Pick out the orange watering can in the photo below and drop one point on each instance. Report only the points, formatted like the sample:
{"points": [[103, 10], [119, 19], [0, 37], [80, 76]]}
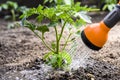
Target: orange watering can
{"points": [[95, 35]]}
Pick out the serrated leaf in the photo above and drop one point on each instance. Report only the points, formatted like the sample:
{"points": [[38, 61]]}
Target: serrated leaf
{"points": [[49, 13], [52, 24], [42, 28], [39, 8], [29, 25], [29, 12], [83, 16]]}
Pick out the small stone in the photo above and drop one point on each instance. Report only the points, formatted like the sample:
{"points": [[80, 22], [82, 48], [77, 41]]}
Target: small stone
{"points": [[37, 67], [17, 78], [90, 75], [92, 79], [37, 60], [112, 56]]}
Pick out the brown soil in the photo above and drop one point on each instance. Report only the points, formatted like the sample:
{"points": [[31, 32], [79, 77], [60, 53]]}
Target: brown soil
{"points": [[21, 50]]}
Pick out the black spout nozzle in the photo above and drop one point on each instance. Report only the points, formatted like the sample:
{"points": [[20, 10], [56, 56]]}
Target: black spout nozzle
{"points": [[88, 43]]}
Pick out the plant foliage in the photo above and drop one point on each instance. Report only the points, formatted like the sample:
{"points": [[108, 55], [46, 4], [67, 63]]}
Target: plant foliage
{"points": [[59, 2], [109, 4], [13, 8], [60, 15]]}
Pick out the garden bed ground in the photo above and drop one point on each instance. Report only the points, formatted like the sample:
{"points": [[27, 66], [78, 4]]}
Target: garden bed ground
{"points": [[21, 53]]}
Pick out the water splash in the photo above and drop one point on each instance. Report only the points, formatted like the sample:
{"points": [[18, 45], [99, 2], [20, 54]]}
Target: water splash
{"points": [[80, 54]]}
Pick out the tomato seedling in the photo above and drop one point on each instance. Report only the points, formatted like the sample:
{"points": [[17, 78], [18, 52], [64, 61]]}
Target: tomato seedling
{"points": [[12, 8], [59, 16]]}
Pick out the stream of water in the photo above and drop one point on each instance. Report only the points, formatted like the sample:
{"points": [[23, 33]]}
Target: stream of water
{"points": [[80, 54]]}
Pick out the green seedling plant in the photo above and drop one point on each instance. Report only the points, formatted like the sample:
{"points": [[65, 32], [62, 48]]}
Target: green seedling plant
{"points": [[13, 8], [59, 2], [109, 4], [59, 17]]}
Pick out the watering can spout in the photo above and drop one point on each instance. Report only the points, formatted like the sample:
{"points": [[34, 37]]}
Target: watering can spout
{"points": [[96, 34]]}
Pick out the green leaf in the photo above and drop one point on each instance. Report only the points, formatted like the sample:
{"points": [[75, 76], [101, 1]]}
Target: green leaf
{"points": [[58, 14], [39, 9], [4, 6], [58, 2], [79, 22], [22, 9], [42, 28], [83, 16], [45, 1], [54, 61], [40, 18], [53, 45], [52, 24], [47, 55], [67, 57], [49, 13], [50, 1], [77, 7], [58, 60], [29, 25], [69, 2], [31, 11], [78, 33], [0, 8], [28, 13], [12, 4], [110, 4], [105, 7], [111, 7]]}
